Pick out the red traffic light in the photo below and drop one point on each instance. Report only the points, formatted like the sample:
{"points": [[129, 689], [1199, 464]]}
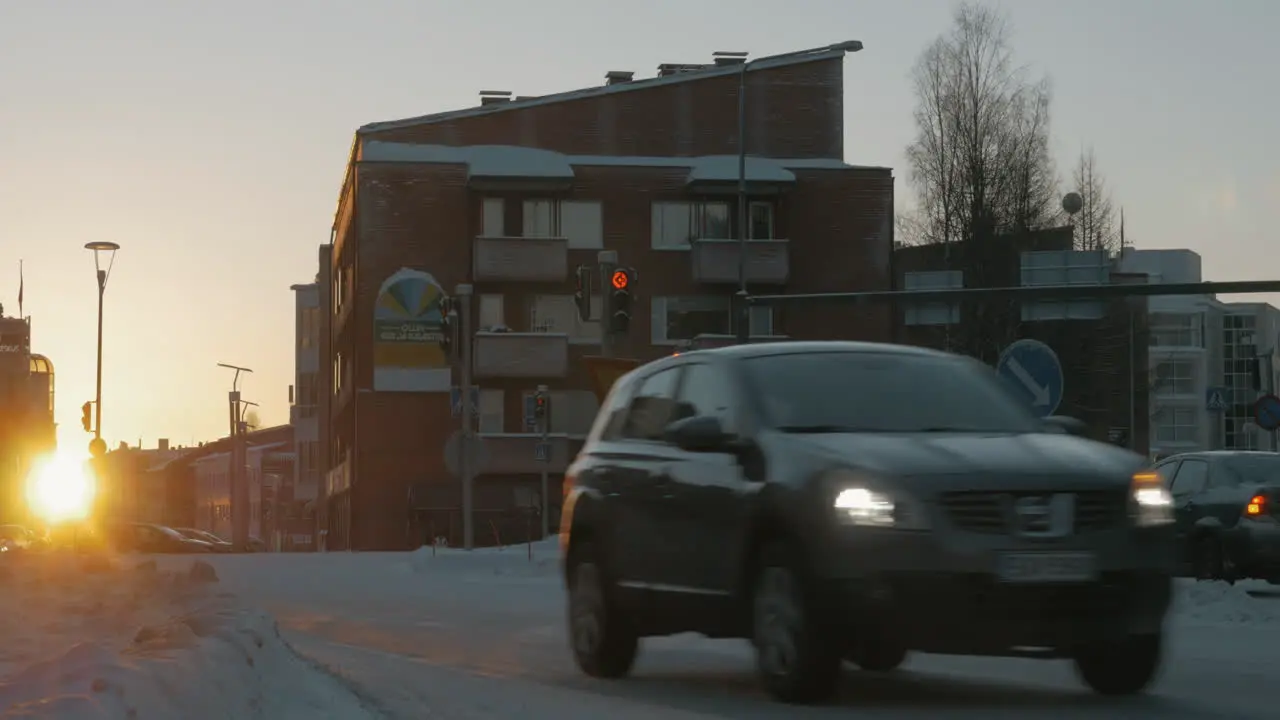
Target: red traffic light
{"points": [[620, 280]]}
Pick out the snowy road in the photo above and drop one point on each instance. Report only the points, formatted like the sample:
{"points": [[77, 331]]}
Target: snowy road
{"points": [[478, 637]]}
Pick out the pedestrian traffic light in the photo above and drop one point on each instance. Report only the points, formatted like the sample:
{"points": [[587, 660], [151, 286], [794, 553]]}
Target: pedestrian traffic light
{"points": [[620, 282], [540, 402], [448, 325], [582, 293], [86, 416]]}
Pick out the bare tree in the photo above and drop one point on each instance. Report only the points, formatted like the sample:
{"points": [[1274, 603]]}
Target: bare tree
{"points": [[1095, 224], [252, 420], [980, 163]]}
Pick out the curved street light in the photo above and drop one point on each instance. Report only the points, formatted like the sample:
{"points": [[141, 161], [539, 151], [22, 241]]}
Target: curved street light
{"points": [[103, 267]]}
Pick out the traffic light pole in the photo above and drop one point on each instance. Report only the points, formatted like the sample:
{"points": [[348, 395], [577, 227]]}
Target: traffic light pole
{"points": [[544, 427], [463, 293], [608, 260]]}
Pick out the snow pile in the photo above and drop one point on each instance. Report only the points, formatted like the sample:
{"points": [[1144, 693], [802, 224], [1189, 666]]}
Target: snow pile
{"points": [[540, 558], [1223, 603], [95, 637]]}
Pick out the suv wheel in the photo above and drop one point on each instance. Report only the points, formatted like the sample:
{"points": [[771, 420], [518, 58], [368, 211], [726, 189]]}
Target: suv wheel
{"points": [[1122, 667], [878, 652], [796, 660], [604, 646]]}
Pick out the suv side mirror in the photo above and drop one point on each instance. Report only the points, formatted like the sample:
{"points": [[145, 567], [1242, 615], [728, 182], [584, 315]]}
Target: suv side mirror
{"points": [[1066, 425], [701, 433]]}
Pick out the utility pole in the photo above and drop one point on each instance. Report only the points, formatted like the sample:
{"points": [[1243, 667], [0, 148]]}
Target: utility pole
{"points": [[97, 446], [235, 470], [542, 411], [608, 261], [463, 293]]}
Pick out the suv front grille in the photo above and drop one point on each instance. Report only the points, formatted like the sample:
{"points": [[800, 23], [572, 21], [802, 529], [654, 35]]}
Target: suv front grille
{"points": [[992, 512]]}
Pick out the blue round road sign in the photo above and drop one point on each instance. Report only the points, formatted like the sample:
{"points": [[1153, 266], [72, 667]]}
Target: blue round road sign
{"points": [[1266, 412], [1033, 371]]}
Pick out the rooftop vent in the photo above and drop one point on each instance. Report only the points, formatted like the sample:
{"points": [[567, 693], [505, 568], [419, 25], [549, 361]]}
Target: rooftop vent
{"points": [[669, 69], [723, 58], [522, 98], [489, 97], [617, 77]]}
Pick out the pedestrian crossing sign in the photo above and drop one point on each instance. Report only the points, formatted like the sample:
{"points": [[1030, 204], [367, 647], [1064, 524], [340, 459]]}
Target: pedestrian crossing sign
{"points": [[1216, 399]]}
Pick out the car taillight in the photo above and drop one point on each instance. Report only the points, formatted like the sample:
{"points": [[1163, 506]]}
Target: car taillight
{"points": [[1257, 506]]}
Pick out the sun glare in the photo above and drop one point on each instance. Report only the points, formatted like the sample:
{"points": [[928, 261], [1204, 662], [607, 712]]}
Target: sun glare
{"points": [[60, 489]]}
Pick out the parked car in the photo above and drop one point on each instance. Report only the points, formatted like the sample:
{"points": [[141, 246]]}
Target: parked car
{"points": [[1227, 504], [151, 538], [217, 543], [848, 501]]}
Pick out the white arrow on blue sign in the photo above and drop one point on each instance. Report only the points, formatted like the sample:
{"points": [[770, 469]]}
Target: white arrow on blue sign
{"points": [[1215, 399], [455, 399], [1033, 371]]}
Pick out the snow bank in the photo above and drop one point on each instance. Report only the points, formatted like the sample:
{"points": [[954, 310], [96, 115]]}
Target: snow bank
{"points": [[85, 637], [540, 558], [1250, 603]]}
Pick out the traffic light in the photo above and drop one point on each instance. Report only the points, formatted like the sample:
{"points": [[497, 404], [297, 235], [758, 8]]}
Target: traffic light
{"points": [[86, 416], [541, 408], [620, 282], [448, 325], [582, 293]]}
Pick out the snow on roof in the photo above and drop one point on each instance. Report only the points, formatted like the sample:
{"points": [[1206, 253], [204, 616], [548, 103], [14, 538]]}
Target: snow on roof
{"points": [[683, 77], [507, 161]]}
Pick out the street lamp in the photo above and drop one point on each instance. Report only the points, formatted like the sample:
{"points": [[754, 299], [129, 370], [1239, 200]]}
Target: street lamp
{"points": [[744, 316], [100, 247]]}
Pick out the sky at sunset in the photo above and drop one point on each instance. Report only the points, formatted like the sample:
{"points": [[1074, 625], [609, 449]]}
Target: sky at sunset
{"points": [[209, 140]]}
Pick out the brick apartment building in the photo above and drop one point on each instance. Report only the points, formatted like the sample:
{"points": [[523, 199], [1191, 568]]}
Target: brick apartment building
{"points": [[510, 196], [1101, 344]]}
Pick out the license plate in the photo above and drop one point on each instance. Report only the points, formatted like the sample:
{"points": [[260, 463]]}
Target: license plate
{"points": [[1048, 567]]}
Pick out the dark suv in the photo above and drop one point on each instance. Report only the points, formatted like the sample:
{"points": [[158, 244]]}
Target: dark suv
{"points": [[847, 501]]}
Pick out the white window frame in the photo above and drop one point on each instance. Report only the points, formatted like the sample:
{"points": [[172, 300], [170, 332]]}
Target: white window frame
{"points": [[581, 223], [1175, 376], [493, 217], [1176, 330], [1177, 424], [751, 220], [932, 313], [580, 332], [492, 311], [540, 218], [761, 317], [1042, 268], [694, 214]]}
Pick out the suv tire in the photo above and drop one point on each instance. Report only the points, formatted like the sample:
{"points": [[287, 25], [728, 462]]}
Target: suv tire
{"points": [[796, 657], [1123, 667], [604, 644], [878, 652]]}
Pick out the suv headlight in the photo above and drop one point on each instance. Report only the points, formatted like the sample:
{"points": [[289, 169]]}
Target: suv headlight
{"points": [[1150, 503], [859, 503]]}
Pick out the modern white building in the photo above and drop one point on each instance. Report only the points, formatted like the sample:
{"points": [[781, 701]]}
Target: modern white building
{"points": [[1202, 390]]}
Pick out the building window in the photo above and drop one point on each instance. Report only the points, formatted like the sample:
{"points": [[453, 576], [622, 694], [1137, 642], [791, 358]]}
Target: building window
{"points": [[491, 413], [559, 314], [339, 289], [580, 222], [1177, 330], [678, 319], [675, 224], [572, 412], [935, 313], [1174, 377], [492, 311], [1064, 267], [339, 369], [493, 218], [1177, 425], [762, 221], [306, 395], [309, 333], [540, 219]]}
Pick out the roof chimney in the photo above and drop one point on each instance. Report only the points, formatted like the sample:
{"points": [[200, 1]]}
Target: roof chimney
{"points": [[617, 77], [490, 97], [669, 69], [723, 57]]}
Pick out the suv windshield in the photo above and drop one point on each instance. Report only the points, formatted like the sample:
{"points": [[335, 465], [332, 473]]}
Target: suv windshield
{"points": [[1259, 469], [844, 391]]}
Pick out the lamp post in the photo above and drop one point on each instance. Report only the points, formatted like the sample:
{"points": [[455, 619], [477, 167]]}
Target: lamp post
{"points": [[100, 248], [744, 314]]}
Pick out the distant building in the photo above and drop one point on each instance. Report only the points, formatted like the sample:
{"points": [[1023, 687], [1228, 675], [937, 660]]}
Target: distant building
{"points": [[1100, 344], [304, 396], [510, 197], [128, 490], [27, 425]]}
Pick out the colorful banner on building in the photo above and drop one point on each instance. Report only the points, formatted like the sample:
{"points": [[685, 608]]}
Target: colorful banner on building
{"points": [[407, 351]]}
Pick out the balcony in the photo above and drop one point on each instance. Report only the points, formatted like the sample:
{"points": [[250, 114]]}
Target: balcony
{"points": [[716, 261], [520, 259], [516, 454], [520, 355]]}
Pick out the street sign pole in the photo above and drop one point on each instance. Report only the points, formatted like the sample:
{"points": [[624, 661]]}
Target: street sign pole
{"points": [[608, 261], [468, 411], [544, 424]]}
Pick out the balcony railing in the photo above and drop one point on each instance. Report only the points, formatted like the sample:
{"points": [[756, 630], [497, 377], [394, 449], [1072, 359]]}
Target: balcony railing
{"points": [[716, 261], [520, 259], [520, 355]]}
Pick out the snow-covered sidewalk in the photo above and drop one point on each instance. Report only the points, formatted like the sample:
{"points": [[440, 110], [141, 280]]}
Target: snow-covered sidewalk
{"points": [[97, 637]]}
